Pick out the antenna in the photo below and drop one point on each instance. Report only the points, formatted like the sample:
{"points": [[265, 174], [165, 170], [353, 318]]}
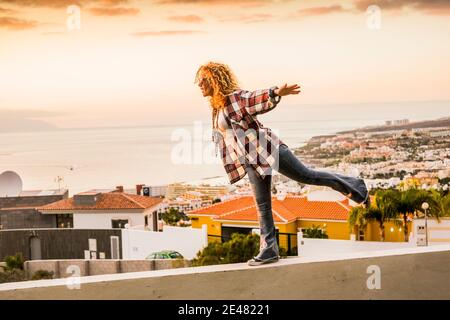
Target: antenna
{"points": [[10, 184], [59, 179]]}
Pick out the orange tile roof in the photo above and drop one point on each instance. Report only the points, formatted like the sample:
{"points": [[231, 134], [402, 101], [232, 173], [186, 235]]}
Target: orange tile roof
{"points": [[106, 201], [226, 206], [246, 214], [326, 210], [287, 210]]}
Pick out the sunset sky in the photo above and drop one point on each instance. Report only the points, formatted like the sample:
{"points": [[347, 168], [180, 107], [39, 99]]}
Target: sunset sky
{"points": [[133, 62]]}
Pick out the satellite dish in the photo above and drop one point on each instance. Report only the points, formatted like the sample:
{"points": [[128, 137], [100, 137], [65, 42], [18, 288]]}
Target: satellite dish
{"points": [[10, 184]]}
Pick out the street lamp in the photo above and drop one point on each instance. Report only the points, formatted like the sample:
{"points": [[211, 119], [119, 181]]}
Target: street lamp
{"points": [[425, 206]]}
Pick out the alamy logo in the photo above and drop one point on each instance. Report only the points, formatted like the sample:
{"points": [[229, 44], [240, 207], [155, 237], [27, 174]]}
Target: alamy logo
{"points": [[374, 280], [374, 17], [74, 281], [74, 18], [251, 145]]}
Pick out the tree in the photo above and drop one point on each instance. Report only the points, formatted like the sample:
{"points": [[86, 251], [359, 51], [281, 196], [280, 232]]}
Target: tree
{"points": [[409, 202], [358, 218], [439, 204], [387, 207], [172, 216]]}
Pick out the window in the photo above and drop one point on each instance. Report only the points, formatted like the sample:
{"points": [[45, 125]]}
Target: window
{"points": [[64, 220], [119, 223], [361, 235], [175, 255]]}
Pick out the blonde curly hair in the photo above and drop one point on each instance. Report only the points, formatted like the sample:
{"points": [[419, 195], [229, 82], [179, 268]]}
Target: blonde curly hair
{"points": [[222, 80]]}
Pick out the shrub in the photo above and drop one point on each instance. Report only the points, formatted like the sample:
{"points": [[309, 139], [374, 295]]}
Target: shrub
{"points": [[13, 275], [42, 274], [14, 262], [239, 249], [315, 232]]}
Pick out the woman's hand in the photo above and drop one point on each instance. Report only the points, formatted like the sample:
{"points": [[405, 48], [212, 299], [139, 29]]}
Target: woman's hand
{"points": [[286, 90]]}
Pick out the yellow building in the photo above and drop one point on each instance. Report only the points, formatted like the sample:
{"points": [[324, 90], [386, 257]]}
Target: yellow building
{"points": [[291, 214]]}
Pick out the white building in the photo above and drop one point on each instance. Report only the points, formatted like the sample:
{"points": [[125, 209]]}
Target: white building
{"points": [[154, 191], [105, 210]]}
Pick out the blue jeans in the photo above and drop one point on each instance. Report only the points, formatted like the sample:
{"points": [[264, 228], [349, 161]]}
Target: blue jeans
{"points": [[291, 167]]}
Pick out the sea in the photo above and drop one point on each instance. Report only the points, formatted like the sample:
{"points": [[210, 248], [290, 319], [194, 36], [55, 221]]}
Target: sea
{"points": [[80, 159]]}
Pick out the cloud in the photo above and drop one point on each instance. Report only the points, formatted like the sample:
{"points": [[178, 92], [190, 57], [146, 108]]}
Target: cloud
{"points": [[17, 24], [41, 3], [318, 11], [433, 7], [6, 11], [240, 3], [166, 33], [192, 18], [261, 17], [53, 33], [117, 11], [63, 3]]}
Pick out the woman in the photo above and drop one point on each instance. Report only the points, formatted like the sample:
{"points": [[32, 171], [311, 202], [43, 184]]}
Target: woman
{"points": [[247, 147]]}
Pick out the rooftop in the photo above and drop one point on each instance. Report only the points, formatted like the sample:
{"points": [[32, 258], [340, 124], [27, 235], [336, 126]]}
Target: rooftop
{"points": [[286, 210], [105, 201], [34, 193]]}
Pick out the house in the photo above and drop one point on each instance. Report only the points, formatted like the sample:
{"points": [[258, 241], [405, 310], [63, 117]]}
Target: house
{"points": [[97, 209], [291, 214], [19, 212]]}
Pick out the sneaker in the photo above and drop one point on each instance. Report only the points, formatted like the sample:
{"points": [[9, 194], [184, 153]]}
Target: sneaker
{"points": [[256, 262]]}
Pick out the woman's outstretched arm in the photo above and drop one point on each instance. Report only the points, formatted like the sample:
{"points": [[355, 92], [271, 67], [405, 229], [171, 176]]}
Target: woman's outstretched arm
{"points": [[262, 101]]}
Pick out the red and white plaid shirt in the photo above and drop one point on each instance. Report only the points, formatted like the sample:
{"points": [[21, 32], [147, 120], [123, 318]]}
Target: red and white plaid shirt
{"points": [[247, 140]]}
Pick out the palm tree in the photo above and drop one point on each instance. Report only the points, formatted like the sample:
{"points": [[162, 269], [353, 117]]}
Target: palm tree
{"points": [[387, 208], [358, 218], [410, 201], [439, 204]]}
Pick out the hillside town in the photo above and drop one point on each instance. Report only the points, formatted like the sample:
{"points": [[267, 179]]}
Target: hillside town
{"points": [[387, 156]]}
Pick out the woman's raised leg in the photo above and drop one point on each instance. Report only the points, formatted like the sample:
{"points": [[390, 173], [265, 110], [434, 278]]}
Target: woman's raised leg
{"points": [[291, 167]]}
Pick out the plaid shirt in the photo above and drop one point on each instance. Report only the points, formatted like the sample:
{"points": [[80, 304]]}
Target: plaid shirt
{"points": [[247, 140]]}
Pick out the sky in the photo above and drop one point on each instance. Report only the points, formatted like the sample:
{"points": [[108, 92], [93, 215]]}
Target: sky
{"points": [[91, 63]]}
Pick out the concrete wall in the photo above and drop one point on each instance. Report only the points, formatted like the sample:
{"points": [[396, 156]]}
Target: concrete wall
{"points": [[407, 273], [330, 247], [438, 232], [137, 244], [82, 268], [103, 220], [16, 218]]}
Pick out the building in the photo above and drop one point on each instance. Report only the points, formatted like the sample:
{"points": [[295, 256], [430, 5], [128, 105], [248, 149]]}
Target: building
{"points": [[177, 190], [291, 214], [95, 209], [154, 191], [19, 212]]}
